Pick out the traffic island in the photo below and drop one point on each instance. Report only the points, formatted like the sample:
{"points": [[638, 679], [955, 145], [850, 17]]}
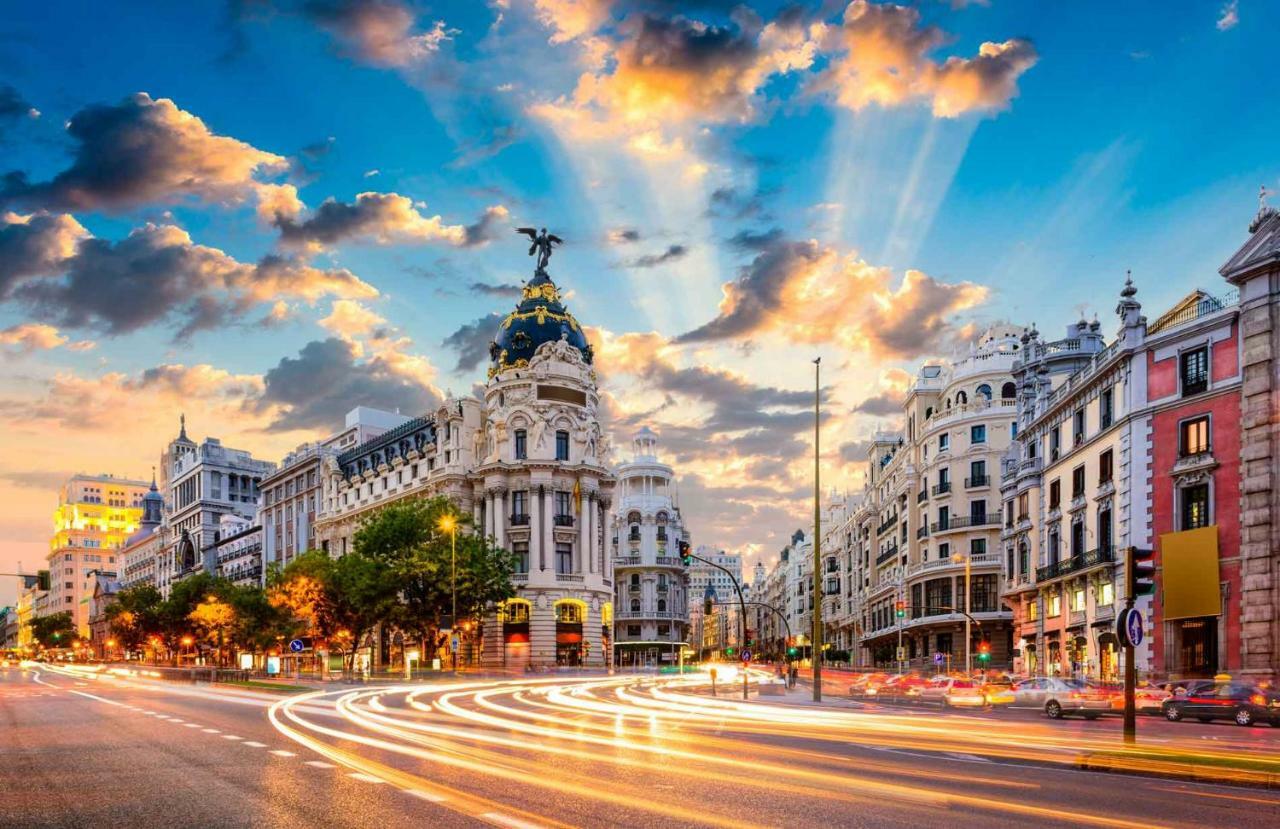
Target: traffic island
{"points": [[1258, 772]]}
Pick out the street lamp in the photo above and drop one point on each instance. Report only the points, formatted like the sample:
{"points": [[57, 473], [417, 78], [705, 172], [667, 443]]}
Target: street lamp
{"points": [[968, 564], [449, 524]]}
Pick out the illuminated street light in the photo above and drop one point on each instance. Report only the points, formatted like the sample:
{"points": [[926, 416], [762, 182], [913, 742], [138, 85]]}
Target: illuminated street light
{"points": [[449, 524], [968, 564]]}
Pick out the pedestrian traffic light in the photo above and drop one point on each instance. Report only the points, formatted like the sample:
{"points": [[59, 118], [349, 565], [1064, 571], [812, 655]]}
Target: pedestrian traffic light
{"points": [[984, 651], [686, 554], [900, 609], [1141, 572]]}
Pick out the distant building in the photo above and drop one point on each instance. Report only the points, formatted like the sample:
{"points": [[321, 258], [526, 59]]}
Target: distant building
{"points": [[140, 554], [105, 588], [201, 483], [721, 629], [238, 550], [96, 514], [651, 603]]}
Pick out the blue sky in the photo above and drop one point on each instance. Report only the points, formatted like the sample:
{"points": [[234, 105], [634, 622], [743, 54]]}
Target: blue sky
{"points": [[740, 188]]}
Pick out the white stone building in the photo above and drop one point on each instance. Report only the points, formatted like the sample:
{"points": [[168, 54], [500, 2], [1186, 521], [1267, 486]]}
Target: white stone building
{"points": [[651, 616]]}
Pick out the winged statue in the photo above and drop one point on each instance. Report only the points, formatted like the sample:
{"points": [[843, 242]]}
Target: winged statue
{"points": [[542, 244]]}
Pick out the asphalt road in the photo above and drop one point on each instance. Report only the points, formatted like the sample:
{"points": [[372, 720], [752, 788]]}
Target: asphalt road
{"points": [[76, 751]]}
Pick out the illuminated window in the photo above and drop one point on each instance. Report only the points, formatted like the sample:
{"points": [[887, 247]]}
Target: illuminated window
{"points": [[569, 612], [1106, 593], [1055, 605], [1077, 598], [1193, 436]]}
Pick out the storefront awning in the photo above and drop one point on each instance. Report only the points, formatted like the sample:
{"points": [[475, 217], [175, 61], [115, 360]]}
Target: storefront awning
{"points": [[1189, 573]]}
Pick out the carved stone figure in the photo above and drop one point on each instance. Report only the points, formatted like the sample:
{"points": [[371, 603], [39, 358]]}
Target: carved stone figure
{"points": [[542, 244]]}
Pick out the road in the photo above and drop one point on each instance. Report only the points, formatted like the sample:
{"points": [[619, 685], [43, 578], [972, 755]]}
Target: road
{"points": [[105, 751]]}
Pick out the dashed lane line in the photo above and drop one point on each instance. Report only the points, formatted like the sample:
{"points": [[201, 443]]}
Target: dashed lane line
{"points": [[320, 764], [425, 795], [252, 744], [507, 820], [231, 737], [365, 778], [211, 731], [282, 753]]}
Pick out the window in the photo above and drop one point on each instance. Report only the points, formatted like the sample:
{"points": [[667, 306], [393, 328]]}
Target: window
{"points": [[633, 630], [562, 504], [1008, 391], [1055, 494], [1077, 482], [1033, 610], [569, 613], [1024, 510], [662, 605], [1054, 603], [1052, 544], [1194, 371], [944, 442], [635, 581], [522, 444], [978, 511], [978, 473], [564, 558], [977, 547], [664, 631], [983, 593], [562, 446], [1105, 467], [1055, 443], [983, 391], [1077, 537], [1195, 507], [978, 434], [1078, 427], [944, 551], [635, 605], [1024, 558], [1104, 527], [521, 550], [1193, 436], [1077, 598], [1106, 408], [1106, 593], [519, 506]]}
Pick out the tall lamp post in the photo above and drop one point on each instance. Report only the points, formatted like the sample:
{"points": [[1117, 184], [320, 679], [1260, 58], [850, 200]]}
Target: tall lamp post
{"points": [[449, 524], [968, 594], [817, 543]]}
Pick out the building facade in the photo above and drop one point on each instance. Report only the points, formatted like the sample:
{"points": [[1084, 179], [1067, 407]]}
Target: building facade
{"points": [[237, 550], [140, 554], [96, 514], [721, 629], [201, 483], [529, 463], [651, 599]]}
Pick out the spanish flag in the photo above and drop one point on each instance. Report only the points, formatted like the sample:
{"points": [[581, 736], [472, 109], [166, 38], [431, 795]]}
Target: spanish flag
{"points": [[577, 497]]}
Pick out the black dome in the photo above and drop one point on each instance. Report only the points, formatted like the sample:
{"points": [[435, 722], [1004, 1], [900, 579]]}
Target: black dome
{"points": [[539, 318]]}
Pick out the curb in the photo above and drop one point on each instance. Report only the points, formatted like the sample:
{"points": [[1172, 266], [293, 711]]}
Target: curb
{"points": [[1192, 772]]}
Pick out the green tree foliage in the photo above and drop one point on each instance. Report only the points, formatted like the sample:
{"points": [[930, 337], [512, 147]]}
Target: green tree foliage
{"points": [[56, 630], [134, 614]]}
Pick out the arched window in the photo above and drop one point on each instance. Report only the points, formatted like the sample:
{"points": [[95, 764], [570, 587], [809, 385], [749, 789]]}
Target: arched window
{"points": [[1008, 391], [662, 605], [521, 444], [928, 412], [662, 519], [635, 579], [635, 605], [633, 517], [516, 611], [570, 611], [948, 402], [961, 398], [983, 391]]}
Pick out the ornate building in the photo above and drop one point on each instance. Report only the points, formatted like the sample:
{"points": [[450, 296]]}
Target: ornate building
{"points": [[528, 462], [650, 595], [140, 554]]}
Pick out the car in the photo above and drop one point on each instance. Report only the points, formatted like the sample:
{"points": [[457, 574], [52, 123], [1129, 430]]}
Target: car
{"points": [[1245, 703], [905, 688], [998, 691], [954, 692], [867, 685], [1148, 699], [1060, 697]]}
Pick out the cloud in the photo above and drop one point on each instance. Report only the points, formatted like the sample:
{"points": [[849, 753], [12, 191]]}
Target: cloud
{"points": [[349, 318], [881, 57], [622, 235], [32, 336], [893, 386], [653, 260], [35, 478], [383, 218], [377, 32], [35, 245], [855, 451], [571, 19], [486, 289], [14, 108], [498, 139], [327, 379], [155, 274], [471, 341], [749, 240], [810, 293], [1229, 17], [143, 151]]}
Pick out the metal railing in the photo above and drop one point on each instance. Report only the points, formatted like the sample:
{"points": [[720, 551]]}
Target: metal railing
{"points": [[520, 520], [563, 520], [976, 481], [1207, 305], [938, 489], [1075, 564], [963, 521]]}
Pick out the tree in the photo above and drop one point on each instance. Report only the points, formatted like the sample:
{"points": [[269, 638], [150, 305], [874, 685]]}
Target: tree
{"points": [[407, 537], [56, 630], [134, 614], [213, 618]]}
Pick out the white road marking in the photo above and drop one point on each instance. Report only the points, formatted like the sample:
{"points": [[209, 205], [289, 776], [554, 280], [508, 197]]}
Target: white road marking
{"points": [[97, 698], [252, 744], [190, 725], [320, 764], [507, 820], [231, 737], [282, 753], [431, 796], [970, 757], [367, 778], [211, 731]]}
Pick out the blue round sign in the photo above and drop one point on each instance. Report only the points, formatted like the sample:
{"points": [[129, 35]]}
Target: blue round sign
{"points": [[1130, 627], [746, 655], [296, 645]]}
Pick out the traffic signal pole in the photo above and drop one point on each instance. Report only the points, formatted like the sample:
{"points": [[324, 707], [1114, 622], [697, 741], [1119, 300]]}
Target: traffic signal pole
{"points": [[1139, 580], [742, 604]]}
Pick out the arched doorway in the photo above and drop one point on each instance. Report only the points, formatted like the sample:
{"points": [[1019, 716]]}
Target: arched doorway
{"points": [[515, 632], [570, 644], [606, 632], [1108, 656]]}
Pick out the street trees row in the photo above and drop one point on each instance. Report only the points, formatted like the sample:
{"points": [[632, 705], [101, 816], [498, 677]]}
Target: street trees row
{"points": [[401, 573]]}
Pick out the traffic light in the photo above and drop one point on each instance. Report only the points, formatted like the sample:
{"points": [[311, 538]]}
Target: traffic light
{"points": [[686, 554], [706, 605], [984, 651], [1141, 572], [900, 609], [729, 651]]}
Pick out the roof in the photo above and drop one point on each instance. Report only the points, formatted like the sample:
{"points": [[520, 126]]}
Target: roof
{"points": [[1263, 247]]}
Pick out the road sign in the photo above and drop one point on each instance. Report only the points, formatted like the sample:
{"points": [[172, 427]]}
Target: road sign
{"points": [[902, 654], [297, 645], [453, 643], [1129, 627], [939, 658], [746, 655]]}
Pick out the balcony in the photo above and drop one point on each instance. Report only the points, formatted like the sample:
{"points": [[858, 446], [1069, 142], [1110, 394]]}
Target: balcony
{"points": [[634, 538], [668, 561], [633, 588], [923, 532], [1076, 564], [569, 577], [626, 561], [889, 524], [922, 496], [520, 520], [976, 481], [887, 555], [966, 521], [645, 614], [1076, 617], [941, 489], [563, 520]]}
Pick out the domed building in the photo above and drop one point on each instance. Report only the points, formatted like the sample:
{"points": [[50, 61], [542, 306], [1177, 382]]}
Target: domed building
{"points": [[138, 555], [529, 462]]}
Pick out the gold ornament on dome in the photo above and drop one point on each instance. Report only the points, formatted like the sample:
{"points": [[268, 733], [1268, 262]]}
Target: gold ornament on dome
{"points": [[545, 291]]}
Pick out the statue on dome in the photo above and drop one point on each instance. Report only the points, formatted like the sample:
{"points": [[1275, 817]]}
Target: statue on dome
{"points": [[542, 243]]}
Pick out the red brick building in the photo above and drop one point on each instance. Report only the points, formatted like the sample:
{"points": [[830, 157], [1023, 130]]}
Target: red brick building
{"points": [[1192, 361]]}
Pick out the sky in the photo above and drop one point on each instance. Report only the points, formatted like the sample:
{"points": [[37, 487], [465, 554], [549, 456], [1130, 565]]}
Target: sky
{"points": [[262, 213]]}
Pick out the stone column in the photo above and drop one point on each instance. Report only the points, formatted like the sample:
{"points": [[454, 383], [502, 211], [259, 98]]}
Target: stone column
{"points": [[535, 527], [582, 555], [548, 528], [501, 518]]}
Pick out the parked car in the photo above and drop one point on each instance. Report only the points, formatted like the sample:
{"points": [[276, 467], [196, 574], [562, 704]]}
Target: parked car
{"points": [[954, 692], [1242, 702], [998, 691], [867, 685], [905, 688], [1060, 697]]}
